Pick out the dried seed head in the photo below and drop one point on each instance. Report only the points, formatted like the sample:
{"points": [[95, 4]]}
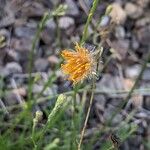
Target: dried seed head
{"points": [[79, 65]]}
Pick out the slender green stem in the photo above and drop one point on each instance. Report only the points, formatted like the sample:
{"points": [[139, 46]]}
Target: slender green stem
{"points": [[74, 123], [33, 134], [57, 12], [132, 89], [35, 40], [49, 82], [137, 79], [85, 31]]}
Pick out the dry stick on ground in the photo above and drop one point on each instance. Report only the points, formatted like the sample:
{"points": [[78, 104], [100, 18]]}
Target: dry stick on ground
{"points": [[120, 93]]}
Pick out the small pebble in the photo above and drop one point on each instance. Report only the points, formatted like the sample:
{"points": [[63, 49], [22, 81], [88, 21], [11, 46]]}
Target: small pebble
{"points": [[105, 21], [134, 43], [120, 32], [133, 71], [65, 22], [118, 14], [133, 11], [25, 32], [11, 98], [147, 103], [143, 35], [13, 67], [72, 8], [53, 60], [146, 74], [41, 65]]}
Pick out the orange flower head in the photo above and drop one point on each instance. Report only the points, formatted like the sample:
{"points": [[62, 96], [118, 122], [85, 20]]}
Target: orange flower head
{"points": [[79, 64]]}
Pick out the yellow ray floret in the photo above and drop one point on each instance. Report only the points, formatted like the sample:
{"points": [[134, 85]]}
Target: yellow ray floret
{"points": [[79, 63]]}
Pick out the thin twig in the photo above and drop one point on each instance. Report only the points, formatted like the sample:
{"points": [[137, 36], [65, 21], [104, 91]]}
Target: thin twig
{"points": [[87, 115], [91, 100]]}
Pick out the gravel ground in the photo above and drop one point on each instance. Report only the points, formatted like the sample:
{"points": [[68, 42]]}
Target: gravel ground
{"points": [[129, 40]]}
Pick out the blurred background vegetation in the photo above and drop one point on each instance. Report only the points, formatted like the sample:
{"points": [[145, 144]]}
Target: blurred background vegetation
{"points": [[40, 109]]}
